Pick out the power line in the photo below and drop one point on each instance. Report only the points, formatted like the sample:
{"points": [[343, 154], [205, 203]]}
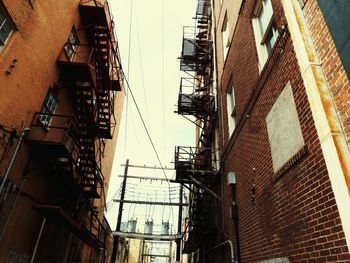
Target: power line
{"points": [[163, 77], [141, 69], [127, 93], [149, 137]]}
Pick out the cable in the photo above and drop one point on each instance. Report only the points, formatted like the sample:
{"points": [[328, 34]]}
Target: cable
{"points": [[141, 68], [127, 94], [163, 78], [145, 127], [148, 135]]}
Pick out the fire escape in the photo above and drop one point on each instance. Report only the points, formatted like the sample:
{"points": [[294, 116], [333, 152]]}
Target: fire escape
{"points": [[74, 143], [196, 166]]}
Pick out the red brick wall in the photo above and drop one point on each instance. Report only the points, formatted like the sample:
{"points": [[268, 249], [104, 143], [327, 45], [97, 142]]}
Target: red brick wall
{"points": [[42, 32], [335, 74], [296, 215]]}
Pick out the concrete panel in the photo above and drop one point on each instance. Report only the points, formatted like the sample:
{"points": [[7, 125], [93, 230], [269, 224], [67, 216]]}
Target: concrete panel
{"points": [[283, 129]]}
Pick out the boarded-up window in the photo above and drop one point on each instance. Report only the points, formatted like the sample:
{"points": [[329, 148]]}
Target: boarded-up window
{"points": [[283, 129]]}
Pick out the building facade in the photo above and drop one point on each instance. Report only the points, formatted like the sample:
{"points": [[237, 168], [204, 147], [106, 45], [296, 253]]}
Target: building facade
{"points": [[60, 108], [281, 87]]}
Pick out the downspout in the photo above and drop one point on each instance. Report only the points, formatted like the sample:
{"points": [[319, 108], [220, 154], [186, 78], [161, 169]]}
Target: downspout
{"points": [[231, 248], [20, 140], [333, 143], [38, 240]]}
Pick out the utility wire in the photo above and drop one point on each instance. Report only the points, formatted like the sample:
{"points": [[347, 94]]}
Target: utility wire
{"points": [[141, 69], [163, 78], [148, 134], [127, 93]]}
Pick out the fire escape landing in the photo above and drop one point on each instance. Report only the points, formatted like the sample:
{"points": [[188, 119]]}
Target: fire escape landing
{"points": [[197, 166], [71, 143]]}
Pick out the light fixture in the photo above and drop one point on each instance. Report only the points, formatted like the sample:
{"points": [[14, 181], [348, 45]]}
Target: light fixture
{"points": [[231, 178]]}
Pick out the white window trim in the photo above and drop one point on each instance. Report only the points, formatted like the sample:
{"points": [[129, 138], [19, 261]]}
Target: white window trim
{"points": [[70, 48], [48, 108], [7, 21], [261, 37], [231, 109], [225, 34]]}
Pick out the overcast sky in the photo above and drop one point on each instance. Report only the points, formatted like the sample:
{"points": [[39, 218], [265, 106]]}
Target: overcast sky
{"points": [[154, 77]]}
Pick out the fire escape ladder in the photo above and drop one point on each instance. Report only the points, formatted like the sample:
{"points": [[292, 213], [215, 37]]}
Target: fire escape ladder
{"points": [[85, 106], [197, 165], [86, 158], [103, 82]]}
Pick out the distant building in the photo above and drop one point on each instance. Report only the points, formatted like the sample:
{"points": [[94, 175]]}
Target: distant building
{"points": [[281, 125], [61, 95]]}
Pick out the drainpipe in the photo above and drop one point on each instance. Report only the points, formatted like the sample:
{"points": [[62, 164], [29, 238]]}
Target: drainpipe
{"points": [[231, 248], [38, 240], [21, 138], [232, 182]]}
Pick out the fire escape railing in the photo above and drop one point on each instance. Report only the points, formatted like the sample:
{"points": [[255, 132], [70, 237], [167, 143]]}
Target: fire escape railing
{"points": [[194, 99], [93, 75], [93, 225], [195, 95], [57, 135], [197, 166]]}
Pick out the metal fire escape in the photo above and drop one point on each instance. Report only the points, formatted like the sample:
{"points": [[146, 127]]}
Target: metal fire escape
{"points": [[74, 142], [196, 166]]}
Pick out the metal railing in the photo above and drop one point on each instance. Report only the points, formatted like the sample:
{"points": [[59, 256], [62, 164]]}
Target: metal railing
{"points": [[93, 224], [82, 54], [187, 157], [55, 129]]}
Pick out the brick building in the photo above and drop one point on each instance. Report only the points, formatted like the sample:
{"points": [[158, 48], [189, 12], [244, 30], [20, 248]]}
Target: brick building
{"points": [[61, 96], [281, 126]]}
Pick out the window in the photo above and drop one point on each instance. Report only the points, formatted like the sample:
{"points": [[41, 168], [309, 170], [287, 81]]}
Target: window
{"points": [[6, 27], [48, 108], [284, 131], [265, 30], [231, 109], [225, 36], [72, 44]]}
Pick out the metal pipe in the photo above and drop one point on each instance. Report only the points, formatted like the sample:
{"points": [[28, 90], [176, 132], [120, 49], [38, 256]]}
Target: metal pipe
{"points": [[13, 158], [179, 226], [231, 248], [38, 240], [12, 209]]}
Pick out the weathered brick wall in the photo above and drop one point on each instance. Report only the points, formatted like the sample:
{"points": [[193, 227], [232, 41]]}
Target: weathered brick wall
{"points": [[333, 69], [30, 56], [294, 216], [42, 32]]}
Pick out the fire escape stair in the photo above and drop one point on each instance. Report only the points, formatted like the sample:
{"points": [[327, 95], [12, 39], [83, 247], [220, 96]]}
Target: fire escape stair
{"points": [[103, 82], [87, 128], [85, 110]]}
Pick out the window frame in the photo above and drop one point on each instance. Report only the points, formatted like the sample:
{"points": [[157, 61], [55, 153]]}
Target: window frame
{"points": [[231, 108], [265, 30], [7, 21], [48, 108], [71, 46], [225, 36]]}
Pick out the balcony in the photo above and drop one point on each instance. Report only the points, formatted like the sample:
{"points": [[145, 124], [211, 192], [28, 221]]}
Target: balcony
{"points": [[191, 162], [96, 229], [115, 75], [89, 231], [55, 136], [78, 66], [195, 101], [95, 12], [196, 52]]}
